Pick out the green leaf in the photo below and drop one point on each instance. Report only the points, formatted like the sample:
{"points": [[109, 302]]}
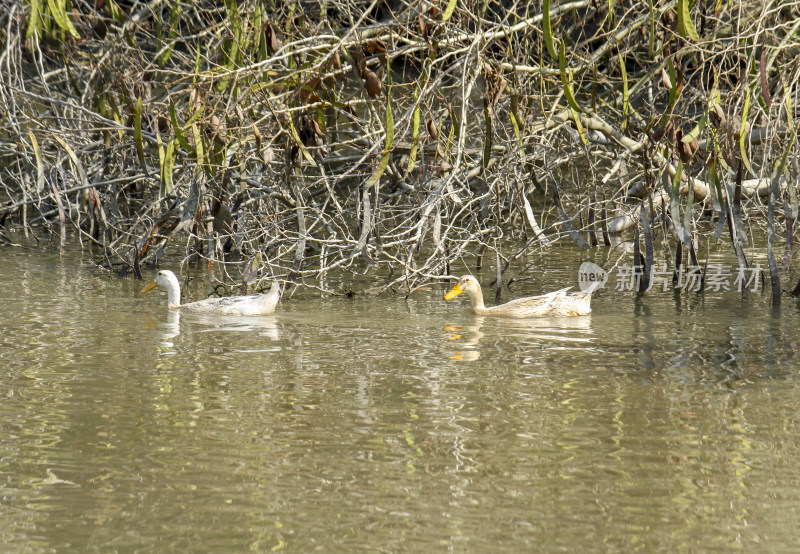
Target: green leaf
{"points": [[789, 120], [116, 13], [58, 9], [576, 117], [174, 20], [674, 94], [788, 147], [547, 30], [412, 156], [376, 175], [137, 133], [387, 150], [781, 163], [685, 25], [566, 81], [674, 205], [161, 155], [625, 97], [74, 158], [199, 150], [34, 19], [743, 135], [196, 67], [454, 129], [515, 124], [695, 132], [177, 128], [167, 165], [448, 11], [259, 42], [39, 162], [566, 78]]}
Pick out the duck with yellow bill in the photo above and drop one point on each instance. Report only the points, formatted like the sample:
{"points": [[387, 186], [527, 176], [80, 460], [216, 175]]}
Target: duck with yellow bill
{"points": [[558, 303]]}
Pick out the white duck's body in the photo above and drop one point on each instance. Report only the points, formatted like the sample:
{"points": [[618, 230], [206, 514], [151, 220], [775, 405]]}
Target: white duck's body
{"points": [[254, 304], [558, 303]]}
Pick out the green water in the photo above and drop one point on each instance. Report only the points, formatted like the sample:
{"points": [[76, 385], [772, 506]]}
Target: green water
{"points": [[392, 424]]}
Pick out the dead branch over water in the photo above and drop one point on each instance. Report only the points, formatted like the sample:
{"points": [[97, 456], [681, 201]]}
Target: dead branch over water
{"points": [[395, 137]]}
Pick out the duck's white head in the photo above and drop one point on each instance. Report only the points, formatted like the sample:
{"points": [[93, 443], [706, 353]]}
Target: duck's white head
{"points": [[468, 284], [166, 280]]}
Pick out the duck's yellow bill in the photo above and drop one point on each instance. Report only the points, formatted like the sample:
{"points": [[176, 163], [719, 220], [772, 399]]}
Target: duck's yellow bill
{"points": [[149, 287], [455, 291]]}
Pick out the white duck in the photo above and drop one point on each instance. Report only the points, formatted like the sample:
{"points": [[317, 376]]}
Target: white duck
{"points": [[254, 304], [556, 303]]}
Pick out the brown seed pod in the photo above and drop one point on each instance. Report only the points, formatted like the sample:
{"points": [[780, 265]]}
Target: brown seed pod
{"points": [[371, 83], [316, 128], [423, 27], [666, 82], [358, 60], [718, 117], [308, 92], [273, 45], [336, 62], [198, 101], [217, 129], [257, 135], [376, 47], [431, 127], [686, 150]]}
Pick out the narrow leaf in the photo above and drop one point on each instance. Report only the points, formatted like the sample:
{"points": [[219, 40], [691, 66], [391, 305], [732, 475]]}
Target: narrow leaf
{"points": [[387, 150], [685, 25], [547, 30], [39, 162], [674, 206], [625, 105], [71, 153], [743, 135], [448, 11], [566, 78], [161, 163], [137, 133], [762, 66], [199, 150], [59, 12], [116, 12], [167, 185], [515, 124], [695, 132], [177, 128], [412, 156], [34, 19], [532, 221]]}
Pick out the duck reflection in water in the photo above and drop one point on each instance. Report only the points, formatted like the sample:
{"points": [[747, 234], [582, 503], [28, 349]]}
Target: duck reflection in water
{"points": [[171, 328], [265, 326], [548, 331], [471, 335]]}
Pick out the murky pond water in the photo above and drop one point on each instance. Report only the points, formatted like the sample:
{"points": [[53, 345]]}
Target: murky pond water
{"points": [[386, 424]]}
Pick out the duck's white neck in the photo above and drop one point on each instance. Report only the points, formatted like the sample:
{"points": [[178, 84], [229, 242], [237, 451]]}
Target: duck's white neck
{"points": [[173, 292], [476, 298]]}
